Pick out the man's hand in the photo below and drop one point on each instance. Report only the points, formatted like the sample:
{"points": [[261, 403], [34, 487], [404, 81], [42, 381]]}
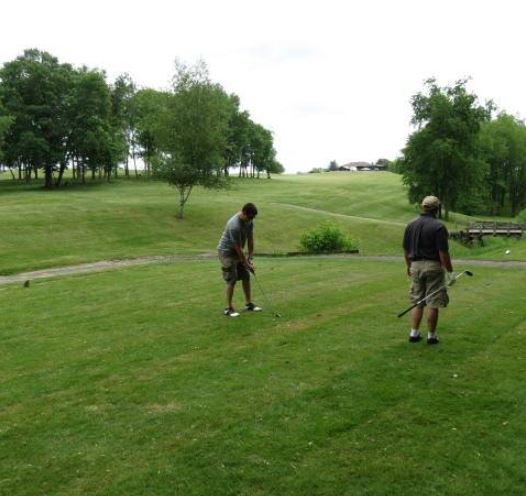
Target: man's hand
{"points": [[250, 266], [450, 278]]}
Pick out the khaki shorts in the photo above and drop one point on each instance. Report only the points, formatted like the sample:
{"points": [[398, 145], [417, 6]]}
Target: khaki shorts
{"points": [[427, 276], [233, 270]]}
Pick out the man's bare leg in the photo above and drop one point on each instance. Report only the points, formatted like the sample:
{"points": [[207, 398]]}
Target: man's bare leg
{"points": [[432, 321], [416, 317], [229, 295], [247, 291]]}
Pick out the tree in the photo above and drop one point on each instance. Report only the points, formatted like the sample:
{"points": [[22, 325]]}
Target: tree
{"points": [[442, 156], [35, 90], [5, 122], [396, 165], [503, 143], [249, 145], [238, 139], [95, 141], [384, 162], [333, 166], [194, 133], [262, 153], [124, 117], [150, 107], [275, 168]]}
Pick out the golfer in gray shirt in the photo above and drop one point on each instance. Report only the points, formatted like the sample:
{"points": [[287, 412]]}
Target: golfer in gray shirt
{"points": [[235, 264]]}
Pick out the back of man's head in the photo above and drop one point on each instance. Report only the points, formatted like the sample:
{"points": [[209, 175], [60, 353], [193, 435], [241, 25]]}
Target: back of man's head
{"points": [[250, 210], [430, 204]]}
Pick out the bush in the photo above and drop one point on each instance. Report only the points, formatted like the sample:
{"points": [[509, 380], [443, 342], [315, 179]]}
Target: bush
{"points": [[326, 238]]}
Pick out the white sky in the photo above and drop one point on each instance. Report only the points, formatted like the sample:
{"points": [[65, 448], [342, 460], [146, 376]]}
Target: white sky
{"points": [[332, 78]]}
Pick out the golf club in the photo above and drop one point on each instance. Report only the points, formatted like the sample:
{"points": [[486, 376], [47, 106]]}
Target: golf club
{"points": [[441, 288], [265, 297]]}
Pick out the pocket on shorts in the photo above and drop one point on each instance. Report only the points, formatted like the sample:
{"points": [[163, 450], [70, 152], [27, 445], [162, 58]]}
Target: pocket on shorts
{"points": [[228, 268], [439, 300]]}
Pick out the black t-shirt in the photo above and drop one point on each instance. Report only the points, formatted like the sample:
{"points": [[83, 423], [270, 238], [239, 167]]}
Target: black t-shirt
{"points": [[424, 237]]}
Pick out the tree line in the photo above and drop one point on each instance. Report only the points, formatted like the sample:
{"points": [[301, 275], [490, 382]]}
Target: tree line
{"points": [[466, 153], [55, 117]]}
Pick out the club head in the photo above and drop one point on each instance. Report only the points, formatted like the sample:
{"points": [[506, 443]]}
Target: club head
{"points": [[468, 272]]}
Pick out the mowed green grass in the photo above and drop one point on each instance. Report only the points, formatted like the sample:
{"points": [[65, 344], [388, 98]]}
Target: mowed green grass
{"points": [[132, 218], [131, 382]]}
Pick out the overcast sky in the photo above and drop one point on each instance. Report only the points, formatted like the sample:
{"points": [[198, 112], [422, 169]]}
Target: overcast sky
{"points": [[331, 79]]}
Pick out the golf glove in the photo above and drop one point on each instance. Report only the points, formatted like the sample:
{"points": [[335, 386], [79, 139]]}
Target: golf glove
{"points": [[450, 278]]}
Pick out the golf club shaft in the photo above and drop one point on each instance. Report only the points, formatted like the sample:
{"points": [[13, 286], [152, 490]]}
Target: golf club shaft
{"points": [[441, 288], [266, 298]]}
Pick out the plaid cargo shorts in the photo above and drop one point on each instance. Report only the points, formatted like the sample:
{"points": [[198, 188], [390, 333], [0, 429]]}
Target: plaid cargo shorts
{"points": [[233, 270], [428, 276]]}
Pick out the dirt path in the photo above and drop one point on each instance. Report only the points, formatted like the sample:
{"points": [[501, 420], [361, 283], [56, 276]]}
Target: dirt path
{"points": [[105, 265]]}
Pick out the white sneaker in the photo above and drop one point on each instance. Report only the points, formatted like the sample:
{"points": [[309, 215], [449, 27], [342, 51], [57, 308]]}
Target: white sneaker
{"points": [[250, 307], [230, 312]]}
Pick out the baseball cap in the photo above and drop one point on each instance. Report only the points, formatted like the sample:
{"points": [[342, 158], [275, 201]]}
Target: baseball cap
{"points": [[430, 202]]}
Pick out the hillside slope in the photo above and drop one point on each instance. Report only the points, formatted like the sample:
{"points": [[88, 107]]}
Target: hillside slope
{"points": [[131, 218]]}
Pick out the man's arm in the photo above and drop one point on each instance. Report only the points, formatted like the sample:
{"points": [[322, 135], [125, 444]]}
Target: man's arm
{"points": [[407, 262], [443, 248], [241, 254], [235, 238], [445, 260], [250, 244], [406, 247]]}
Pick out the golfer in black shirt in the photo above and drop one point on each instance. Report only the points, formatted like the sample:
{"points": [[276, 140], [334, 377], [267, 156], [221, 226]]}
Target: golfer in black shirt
{"points": [[427, 258]]}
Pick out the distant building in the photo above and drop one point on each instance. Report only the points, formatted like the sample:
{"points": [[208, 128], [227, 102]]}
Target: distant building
{"points": [[361, 166]]}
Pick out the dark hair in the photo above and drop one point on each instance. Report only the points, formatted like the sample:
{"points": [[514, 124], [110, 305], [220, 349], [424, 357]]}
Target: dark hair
{"points": [[250, 210]]}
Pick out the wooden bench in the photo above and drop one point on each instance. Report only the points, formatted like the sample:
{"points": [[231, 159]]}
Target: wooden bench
{"points": [[476, 230]]}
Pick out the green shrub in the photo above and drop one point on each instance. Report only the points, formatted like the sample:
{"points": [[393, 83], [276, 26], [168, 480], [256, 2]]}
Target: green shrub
{"points": [[326, 238]]}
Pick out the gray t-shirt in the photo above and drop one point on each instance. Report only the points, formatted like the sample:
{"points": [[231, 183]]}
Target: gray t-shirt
{"points": [[236, 231]]}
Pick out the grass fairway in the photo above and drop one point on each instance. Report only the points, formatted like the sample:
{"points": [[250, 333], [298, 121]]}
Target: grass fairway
{"points": [[131, 218], [133, 383]]}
